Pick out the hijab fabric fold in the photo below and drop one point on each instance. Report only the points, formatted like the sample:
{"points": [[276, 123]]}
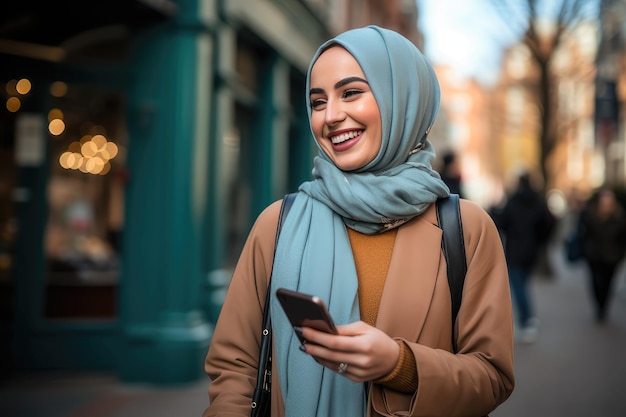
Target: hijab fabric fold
{"points": [[313, 253]]}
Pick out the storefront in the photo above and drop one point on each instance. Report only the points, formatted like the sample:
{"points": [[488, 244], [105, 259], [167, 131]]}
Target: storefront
{"points": [[63, 148], [131, 171]]}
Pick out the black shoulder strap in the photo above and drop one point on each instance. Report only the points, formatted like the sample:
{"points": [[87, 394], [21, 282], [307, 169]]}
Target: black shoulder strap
{"points": [[284, 209], [264, 371], [449, 219]]}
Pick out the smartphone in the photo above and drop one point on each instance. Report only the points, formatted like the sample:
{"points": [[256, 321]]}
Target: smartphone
{"points": [[305, 310]]}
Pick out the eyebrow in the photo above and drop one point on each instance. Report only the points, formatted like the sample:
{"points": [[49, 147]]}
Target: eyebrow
{"points": [[339, 84]]}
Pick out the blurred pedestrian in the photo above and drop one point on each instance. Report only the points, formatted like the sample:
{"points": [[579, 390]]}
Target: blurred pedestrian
{"points": [[603, 231], [525, 224], [451, 173], [571, 231], [363, 236]]}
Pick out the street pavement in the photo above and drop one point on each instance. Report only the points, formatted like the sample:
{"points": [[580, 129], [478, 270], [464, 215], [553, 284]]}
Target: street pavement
{"points": [[97, 395], [575, 368]]}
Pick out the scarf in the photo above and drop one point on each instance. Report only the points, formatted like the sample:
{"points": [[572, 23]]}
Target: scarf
{"points": [[313, 254]]}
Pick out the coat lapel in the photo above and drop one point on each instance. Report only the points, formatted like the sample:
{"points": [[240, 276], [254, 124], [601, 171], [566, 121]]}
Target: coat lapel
{"points": [[411, 278]]}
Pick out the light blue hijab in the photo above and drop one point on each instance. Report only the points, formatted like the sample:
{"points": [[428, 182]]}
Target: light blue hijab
{"points": [[314, 254]]}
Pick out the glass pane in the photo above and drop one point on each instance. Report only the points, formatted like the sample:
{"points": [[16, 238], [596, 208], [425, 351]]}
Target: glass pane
{"points": [[85, 203], [238, 204]]}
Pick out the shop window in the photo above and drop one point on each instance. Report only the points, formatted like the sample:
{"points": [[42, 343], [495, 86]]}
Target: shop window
{"points": [[85, 203], [247, 66]]}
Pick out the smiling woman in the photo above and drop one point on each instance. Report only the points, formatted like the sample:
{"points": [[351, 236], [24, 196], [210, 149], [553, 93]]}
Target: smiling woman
{"points": [[353, 238]]}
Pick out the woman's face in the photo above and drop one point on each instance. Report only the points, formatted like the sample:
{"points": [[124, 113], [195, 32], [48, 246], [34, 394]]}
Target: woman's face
{"points": [[345, 117]]}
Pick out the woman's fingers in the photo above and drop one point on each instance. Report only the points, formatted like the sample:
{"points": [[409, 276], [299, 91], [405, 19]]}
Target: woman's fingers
{"points": [[367, 352]]}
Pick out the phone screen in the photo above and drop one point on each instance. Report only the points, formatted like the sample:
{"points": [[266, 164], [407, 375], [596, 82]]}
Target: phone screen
{"points": [[305, 310]]}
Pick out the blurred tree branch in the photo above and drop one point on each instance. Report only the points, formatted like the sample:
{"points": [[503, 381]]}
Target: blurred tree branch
{"points": [[527, 18]]}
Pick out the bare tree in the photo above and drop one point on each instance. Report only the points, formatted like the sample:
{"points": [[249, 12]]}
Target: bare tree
{"points": [[528, 18]]}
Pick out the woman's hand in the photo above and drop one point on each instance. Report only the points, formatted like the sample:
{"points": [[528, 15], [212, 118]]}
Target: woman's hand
{"points": [[359, 351]]}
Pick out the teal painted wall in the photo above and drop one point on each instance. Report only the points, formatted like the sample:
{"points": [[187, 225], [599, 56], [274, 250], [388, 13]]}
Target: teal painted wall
{"points": [[164, 333]]}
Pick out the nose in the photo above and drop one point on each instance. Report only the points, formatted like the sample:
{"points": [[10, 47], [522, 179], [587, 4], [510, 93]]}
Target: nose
{"points": [[334, 113]]}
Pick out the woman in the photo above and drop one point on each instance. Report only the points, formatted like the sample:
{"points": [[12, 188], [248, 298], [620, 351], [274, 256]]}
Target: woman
{"points": [[603, 231], [363, 236]]}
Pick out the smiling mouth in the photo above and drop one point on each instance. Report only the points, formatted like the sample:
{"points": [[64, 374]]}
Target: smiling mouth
{"points": [[345, 136]]}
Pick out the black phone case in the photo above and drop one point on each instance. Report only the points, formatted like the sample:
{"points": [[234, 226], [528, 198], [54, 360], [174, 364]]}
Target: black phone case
{"points": [[305, 310]]}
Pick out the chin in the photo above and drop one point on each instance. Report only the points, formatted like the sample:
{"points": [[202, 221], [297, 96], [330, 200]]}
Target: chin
{"points": [[349, 167]]}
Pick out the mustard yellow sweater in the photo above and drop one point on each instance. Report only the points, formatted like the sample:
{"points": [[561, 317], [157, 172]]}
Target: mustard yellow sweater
{"points": [[372, 256]]}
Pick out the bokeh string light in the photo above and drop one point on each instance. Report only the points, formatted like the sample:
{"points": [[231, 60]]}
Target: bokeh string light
{"points": [[91, 155]]}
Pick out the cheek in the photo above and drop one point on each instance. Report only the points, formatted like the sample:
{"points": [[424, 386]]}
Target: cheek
{"points": [[373, 116], [369, 114], [317, 123]]}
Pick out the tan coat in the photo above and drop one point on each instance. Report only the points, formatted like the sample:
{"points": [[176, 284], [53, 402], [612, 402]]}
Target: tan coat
{"points": [[415, 307]]}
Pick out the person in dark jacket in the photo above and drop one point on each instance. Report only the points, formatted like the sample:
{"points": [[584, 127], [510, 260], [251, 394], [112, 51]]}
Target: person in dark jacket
{"points": [[525, 224], [451, 173], [603, 232]]}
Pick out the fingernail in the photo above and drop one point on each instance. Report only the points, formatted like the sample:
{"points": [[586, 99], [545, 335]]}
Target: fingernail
{"points": [[303, 348], [298, 330]]}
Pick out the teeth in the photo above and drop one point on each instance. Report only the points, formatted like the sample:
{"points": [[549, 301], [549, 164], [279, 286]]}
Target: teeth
{"points": [[345, 136]]}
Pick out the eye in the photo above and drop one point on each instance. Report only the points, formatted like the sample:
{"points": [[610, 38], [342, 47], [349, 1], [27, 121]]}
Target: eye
{"points": [[317, 103], [350, 93]]}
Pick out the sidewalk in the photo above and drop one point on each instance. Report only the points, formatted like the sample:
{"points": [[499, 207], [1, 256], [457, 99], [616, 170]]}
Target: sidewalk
{"points": [[577, 367], [98, 395]]}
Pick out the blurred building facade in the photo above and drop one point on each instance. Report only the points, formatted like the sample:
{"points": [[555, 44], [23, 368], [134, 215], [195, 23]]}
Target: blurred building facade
{"points": [[495, 128], [516, 126], [581, 161], [463, 127], [138, 143], [610, 91], [577, 161]]}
